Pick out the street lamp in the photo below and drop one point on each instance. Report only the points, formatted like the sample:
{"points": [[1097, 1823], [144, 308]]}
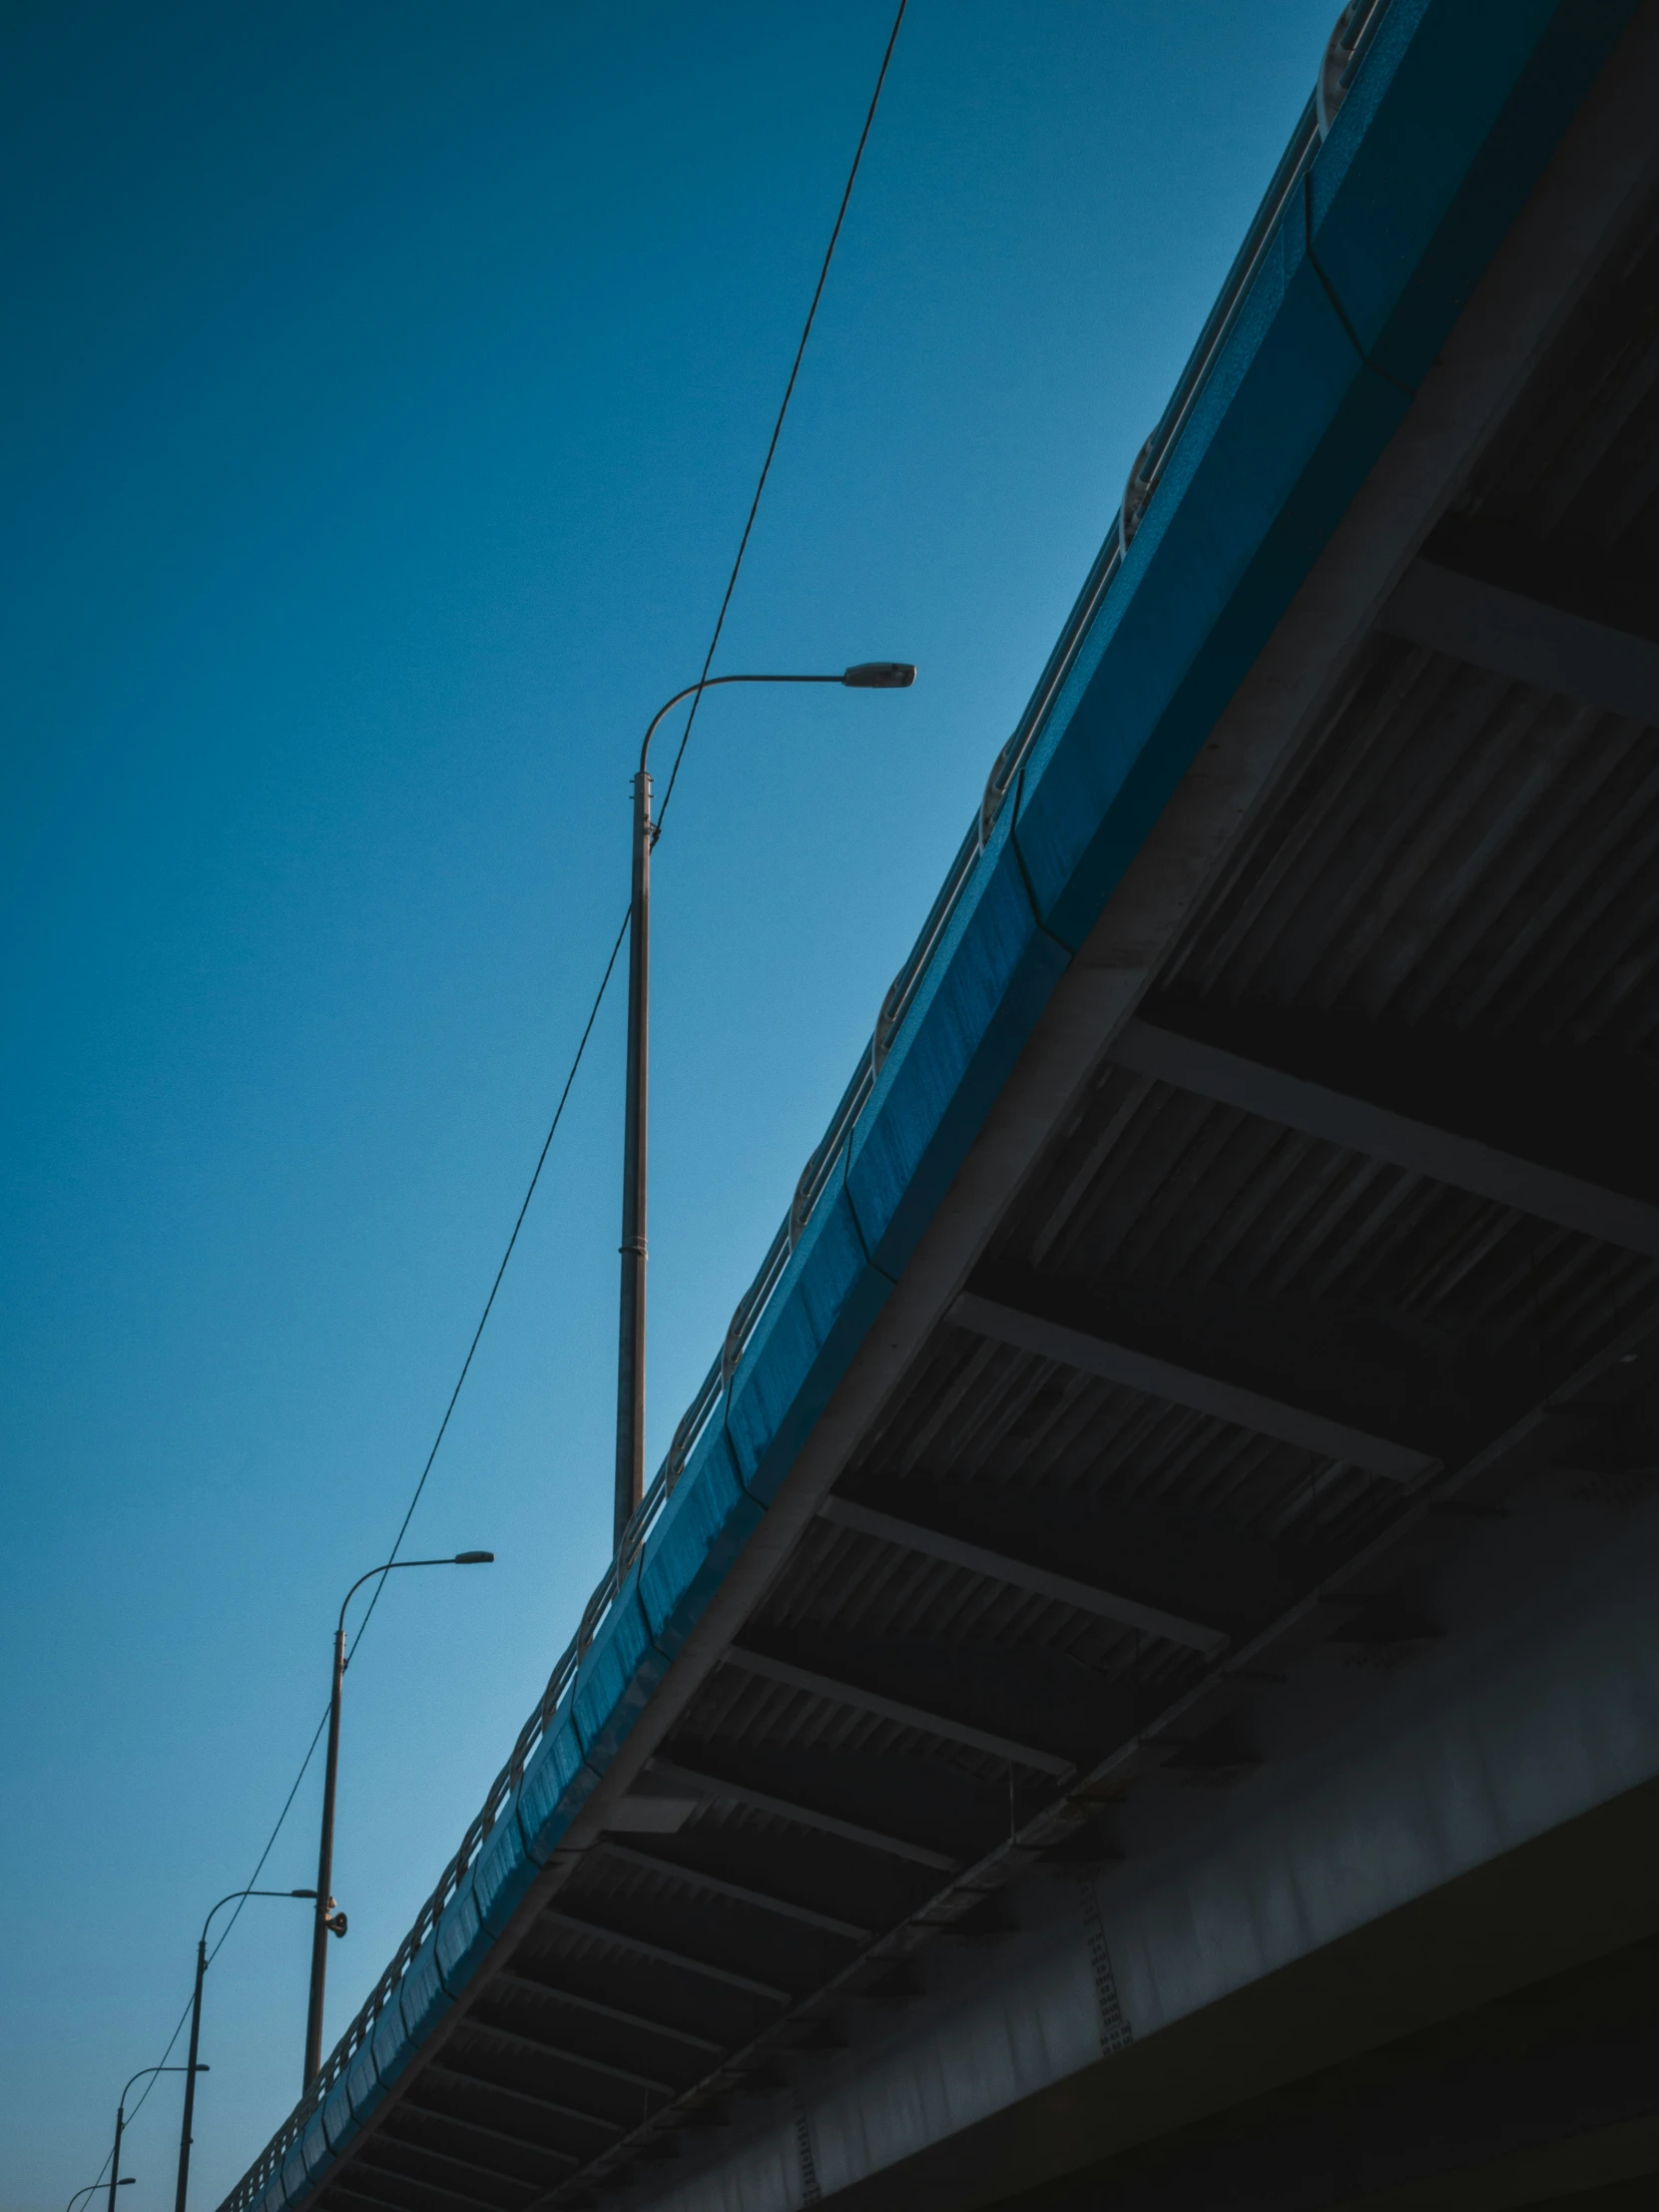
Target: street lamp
{"points": [[143, 2075], [126, 2182], [630, 1366], [191, 2069], [329, 1921]]}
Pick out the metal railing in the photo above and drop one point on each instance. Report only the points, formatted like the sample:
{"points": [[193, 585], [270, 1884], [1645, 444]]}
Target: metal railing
{"points": [[1349, 43]]}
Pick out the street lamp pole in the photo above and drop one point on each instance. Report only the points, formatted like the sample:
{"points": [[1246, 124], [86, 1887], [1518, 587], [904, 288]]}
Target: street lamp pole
{"points": [[143, 2075], [630, 1369], [191, 2069], [329, 1921]]}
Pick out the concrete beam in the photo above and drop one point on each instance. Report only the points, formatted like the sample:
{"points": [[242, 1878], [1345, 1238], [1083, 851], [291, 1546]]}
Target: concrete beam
{"points": [[894, 1709], [1020, 1574], [524, 2096], [375, 2166], [436, 2112], [360, 2195], [1525, 638], [472, 2165], [697, 1878], [1201, 1394], [518, 1981], [811, 1815], [576, 1925], [562, 2051], [1382, 1134]]}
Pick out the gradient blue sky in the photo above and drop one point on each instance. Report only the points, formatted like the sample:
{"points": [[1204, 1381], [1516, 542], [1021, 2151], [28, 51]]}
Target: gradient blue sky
{"points": [[387, 388]]}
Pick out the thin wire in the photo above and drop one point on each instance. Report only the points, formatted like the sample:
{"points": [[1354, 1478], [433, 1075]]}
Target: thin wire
{"points": [[541, 1162], [288, 1804], [316, 1736], [778, 426]]}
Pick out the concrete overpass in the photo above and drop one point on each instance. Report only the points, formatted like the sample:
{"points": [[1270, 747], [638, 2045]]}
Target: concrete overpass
{"points": [[1139, 1678]]}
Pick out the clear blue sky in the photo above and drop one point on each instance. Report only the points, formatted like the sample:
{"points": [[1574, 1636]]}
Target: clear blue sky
{"points": [[386, 392]]}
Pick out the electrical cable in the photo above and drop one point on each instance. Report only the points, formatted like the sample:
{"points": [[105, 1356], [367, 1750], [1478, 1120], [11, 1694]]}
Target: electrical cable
{"points": [[593, 1012], [317, 1735], [288, 1804], [778, 426], [541, 1162]]}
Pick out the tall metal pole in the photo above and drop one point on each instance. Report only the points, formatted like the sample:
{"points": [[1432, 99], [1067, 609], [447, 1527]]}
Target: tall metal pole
{"points": [[328, 1921], [630, 1365], [115, 2155], [143, 2075], [325, 1871], [191, 2068], [190, 2074]]}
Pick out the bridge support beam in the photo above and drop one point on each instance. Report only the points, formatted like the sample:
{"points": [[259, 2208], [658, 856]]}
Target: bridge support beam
{"points": [[811, 1815], [1201, 1394], [1022, 1575], [1527, 639], [714, 1885], [894, 1709], [1358, 1124]]}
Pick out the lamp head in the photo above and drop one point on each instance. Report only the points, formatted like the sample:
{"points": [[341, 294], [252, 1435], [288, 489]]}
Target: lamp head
{"points": [[474, 1558], [880, 675], [301, 1892]]}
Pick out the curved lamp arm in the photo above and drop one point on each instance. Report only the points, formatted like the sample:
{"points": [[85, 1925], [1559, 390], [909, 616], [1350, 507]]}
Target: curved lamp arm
{"points": [[139, 2076], [456, 1559], [234, 1895], [865, 676]]}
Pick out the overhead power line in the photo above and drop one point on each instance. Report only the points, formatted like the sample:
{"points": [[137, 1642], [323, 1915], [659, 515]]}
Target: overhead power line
{"points": [[403, 1526], [784, 408]]}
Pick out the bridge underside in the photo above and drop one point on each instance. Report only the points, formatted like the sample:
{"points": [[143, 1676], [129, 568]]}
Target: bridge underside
{"points": [[1185, 1728], [1491, 2044]]}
